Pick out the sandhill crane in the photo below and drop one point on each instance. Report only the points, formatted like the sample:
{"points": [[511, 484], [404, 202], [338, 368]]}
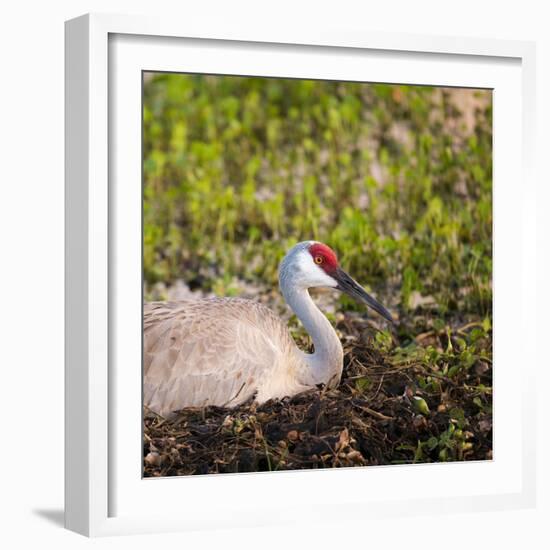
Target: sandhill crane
{"points": [[222, 351]]}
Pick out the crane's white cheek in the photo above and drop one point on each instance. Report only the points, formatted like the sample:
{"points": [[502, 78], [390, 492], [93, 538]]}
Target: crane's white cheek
{"points": [[322, 279], [307, 274]]}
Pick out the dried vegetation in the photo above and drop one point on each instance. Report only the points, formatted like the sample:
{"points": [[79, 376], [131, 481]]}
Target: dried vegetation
{"points": [[394, 405]]}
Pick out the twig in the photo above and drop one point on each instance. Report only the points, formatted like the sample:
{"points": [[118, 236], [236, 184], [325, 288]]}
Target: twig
{"points": [[379, 386], [235, 397], [372, 412]]}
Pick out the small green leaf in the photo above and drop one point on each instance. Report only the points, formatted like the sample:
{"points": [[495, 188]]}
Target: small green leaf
{"points": [[453, 370], [420, 405], [432, 443], [363, 383]]}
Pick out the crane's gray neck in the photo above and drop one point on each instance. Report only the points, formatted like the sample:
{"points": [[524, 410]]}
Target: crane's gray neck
{"points": [[325, 364]]}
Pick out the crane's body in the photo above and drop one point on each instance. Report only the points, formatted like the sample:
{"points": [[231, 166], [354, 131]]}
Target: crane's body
{"points": [[223, 351]]}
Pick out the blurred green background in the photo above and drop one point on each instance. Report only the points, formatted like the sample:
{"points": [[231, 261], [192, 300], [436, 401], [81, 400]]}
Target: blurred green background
{"points": [[397, 179]]}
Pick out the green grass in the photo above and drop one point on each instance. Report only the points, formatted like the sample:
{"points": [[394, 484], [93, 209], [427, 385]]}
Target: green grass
{"points": [[397, 179]]}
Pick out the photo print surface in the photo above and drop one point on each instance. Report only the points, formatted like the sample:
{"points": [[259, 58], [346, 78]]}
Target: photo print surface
{"points": [[317, 274]]}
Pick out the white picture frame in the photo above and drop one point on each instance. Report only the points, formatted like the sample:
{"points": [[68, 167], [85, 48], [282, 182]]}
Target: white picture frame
{"points": [[105, 493]]}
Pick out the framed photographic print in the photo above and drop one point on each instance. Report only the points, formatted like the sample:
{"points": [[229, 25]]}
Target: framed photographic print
{"points": [[295, 268]]}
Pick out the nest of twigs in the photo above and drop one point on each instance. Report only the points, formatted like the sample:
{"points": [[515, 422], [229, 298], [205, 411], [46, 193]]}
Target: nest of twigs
{"points": [[379, 414]]}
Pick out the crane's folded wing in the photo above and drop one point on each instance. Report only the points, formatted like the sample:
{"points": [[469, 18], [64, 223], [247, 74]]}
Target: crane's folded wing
{"points": [[205, 352]]}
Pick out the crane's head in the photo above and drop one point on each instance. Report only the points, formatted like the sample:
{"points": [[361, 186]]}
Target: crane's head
{"points": [[312, 264]]}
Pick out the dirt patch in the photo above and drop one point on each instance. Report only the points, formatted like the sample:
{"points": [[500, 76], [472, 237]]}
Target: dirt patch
{"points": [[391, 407]]}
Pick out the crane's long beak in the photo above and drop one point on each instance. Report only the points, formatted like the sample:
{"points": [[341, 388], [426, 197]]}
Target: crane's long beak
{"points": [[355, 290]]}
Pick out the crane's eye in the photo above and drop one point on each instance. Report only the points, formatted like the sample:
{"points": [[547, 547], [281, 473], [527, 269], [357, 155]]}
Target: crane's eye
{"points": [[318, 259]]}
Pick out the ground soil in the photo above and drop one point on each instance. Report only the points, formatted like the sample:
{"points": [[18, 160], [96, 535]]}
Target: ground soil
{"points": [[378, 415]]}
